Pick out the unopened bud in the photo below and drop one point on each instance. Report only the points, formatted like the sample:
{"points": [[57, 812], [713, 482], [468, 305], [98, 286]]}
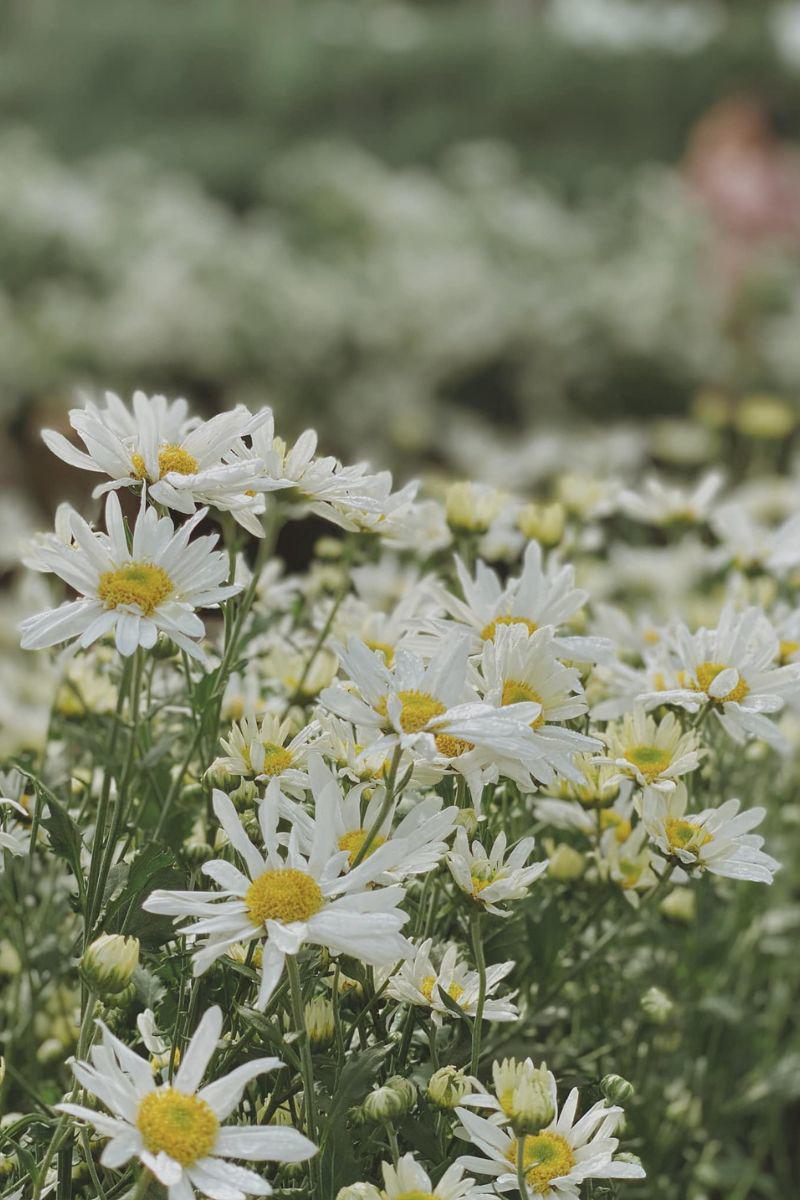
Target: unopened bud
{"points": [[108, 964], [448, 1086], [405, 1090], [542, 522], [680, 905], [218, 776], [244, 796], [530, 1107], [358, 1191], [566, 864], [657, 1006], [382, 1105], [468, 819], [319, 1022], [616, 1089], [164, 648]]}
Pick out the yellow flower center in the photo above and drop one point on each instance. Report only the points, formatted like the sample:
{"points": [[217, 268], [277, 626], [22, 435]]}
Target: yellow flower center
{"points": [[788, 650], [417, 710], [184, 1127], [479, 882], [488, 631], [455, 991], [546, 1156], [354, 839], [386, 650], [631, 871], [451, 746], [650, 760], [705, 675], [517, 692], [141, 585], [170, 458], [276, 760], [285, 894], [686, 835], [612, 820], [416, 1194]]}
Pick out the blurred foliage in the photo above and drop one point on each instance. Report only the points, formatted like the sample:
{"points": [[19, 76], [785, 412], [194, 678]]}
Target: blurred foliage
{"points": [[218, 89]]}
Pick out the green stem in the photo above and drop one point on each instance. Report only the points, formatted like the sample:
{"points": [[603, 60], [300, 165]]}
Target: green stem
{"points": [[521, 1181], [62, 1128], [384, 809], [102, 808], [480, 962], [306, 1065]]}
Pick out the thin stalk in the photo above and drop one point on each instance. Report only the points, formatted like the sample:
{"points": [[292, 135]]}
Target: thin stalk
{"points": [[521, 1181], [384, 809], [306, 1065], [480, 962]]}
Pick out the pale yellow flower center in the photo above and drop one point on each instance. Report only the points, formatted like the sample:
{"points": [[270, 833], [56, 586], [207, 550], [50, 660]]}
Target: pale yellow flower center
{"points": [[612, 820], [170, 458], [284, 894], [546, 1156], [276, 759], [649, 760], [788, 650], [416, 1194], [417, 709], [450, 746], [184, 1127], [488, 631], [141, 584], [385, 649], [455, 991], [517, 692], [707, 672], [686, 835], [354, 839]]}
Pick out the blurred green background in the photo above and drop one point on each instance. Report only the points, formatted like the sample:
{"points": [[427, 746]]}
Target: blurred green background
{"points": [[378, 216]]}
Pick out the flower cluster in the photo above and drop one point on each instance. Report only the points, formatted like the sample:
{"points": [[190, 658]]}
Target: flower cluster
{"points": [[384, 812]]}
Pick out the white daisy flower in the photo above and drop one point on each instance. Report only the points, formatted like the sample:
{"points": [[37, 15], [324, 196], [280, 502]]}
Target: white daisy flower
{"points": [[419, 838], [287, 899], [542, 595], [138, 592], [590, 820], [747, 543], [652, 753], [265, 751], [716, 840], [558, 1159], [420, 983], [730, 669], [659, 503], [509, 1078], [428, 709], [177, 1130], [490, 878], [408, 1181], [181, 462], [624, 857]]}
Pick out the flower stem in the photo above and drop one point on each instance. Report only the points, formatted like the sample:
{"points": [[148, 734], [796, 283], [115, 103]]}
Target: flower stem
{"points": [[521, 1182], [480, 962], [384, 809], [306, 1065]]}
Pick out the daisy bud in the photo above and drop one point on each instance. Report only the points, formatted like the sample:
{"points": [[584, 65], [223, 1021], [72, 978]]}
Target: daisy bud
{"points": [[765, 417], [447, 1087], [358, 1191], [382, 1105], [531, 1105], [216, 776], [566, 864], [472, 507], [626, 1156], [405, 1090], [319, 1022], [680, 905], [616, 1089], [468, 818], [543, 523], [244, 796], [164, 648], [7, 1165], [108, 964], [657, 1006]]}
